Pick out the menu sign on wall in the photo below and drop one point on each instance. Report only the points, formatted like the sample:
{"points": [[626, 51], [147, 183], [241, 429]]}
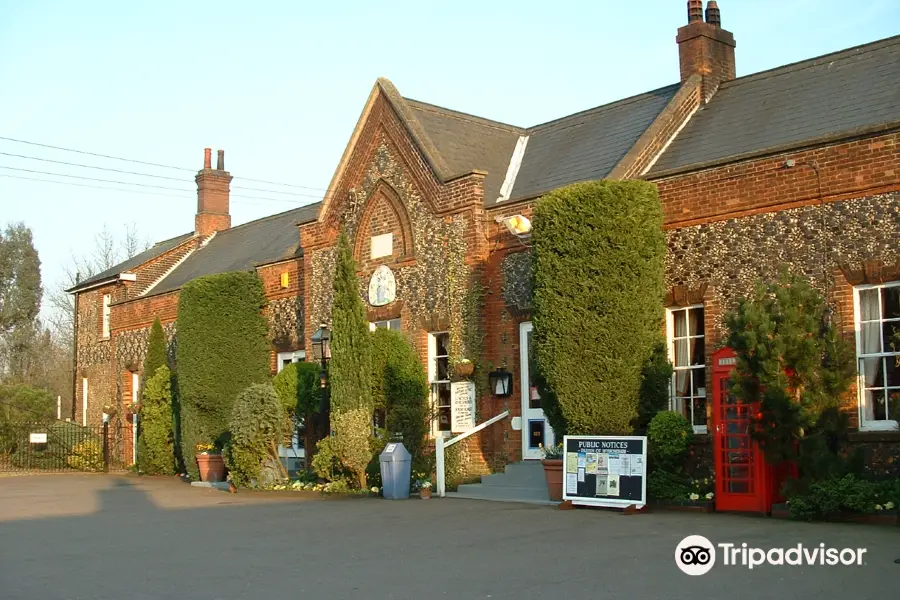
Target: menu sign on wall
{"points": [[605, 470], [462, 406]]}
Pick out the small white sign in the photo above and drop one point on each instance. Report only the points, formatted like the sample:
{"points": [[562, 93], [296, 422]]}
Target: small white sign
{"points": [[390, 448], [462, 406], [38, 438], [382, 245]]}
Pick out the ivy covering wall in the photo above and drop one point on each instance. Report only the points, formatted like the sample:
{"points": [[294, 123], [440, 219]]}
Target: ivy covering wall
{"points": [[222, 350]]}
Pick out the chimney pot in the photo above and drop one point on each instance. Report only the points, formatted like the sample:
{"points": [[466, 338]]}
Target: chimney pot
{"points": [[207, 158], [713, 15], [220, 161], [695, 10]]}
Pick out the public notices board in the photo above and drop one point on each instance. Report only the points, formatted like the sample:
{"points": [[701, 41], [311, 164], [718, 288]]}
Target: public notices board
{"points": [[605, 470]]}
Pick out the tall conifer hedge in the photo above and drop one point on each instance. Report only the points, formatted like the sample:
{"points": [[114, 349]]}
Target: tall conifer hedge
{"points": [[222, 350], [599, 252]]}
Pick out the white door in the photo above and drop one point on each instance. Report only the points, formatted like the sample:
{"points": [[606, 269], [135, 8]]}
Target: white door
{"points": [[535, 427]]}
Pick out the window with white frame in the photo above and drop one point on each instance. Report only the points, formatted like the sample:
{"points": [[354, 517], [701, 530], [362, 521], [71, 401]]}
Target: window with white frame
{"points": [[135, 388], [687, 351], [286, 358], [392, 324], [439, 377], [106, 315], [84, 401], [878, 351]]}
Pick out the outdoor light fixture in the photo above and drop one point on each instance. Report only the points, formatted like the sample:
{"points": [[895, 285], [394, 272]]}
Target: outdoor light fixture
{"points": [[518, 225], [501, 382], [321, 343]]}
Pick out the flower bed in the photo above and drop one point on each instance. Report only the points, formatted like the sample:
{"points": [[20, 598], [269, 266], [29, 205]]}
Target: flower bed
{"points": [[701, 506], [883, 515]]}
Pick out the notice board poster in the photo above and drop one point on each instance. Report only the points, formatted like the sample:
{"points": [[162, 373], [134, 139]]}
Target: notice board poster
{"points": [[605, 470], [462, 406]]}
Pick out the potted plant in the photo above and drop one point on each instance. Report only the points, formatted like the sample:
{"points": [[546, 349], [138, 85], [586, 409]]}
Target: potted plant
{"points": [[211, 463], [464, 368], [425, 490], [553, 469]]}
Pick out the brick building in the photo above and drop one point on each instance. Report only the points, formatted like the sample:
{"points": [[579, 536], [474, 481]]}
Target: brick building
{"points": [[798, 165]]}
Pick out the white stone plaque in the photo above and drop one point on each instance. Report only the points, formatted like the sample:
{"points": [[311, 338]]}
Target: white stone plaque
{"points": [[462, 406], [382, 286]]}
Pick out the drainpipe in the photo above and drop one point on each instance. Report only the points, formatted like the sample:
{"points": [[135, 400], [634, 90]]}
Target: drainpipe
{"points": [[75, 349]]}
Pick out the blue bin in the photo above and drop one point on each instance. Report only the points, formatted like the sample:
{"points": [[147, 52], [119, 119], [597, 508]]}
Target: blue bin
{"points": [[396, 468]]}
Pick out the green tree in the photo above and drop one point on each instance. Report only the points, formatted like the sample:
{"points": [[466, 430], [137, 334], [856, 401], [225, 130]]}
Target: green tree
{"points": [[20, 301], [257, 427], [157, 350], [400, 388], [599, 250], [222, 350], [656, 381], [156, 445], [350, 369], [794, 362], [299, 388]]}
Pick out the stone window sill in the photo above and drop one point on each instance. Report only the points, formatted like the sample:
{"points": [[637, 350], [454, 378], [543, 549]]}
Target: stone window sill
{"points": [[874, 436]]}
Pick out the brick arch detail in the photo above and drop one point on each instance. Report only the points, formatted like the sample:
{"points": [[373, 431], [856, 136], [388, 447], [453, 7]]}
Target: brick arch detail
{"points": [[384, 190]]}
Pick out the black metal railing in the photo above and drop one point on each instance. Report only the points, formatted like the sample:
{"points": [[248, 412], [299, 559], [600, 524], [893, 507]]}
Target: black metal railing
{"points": [[52, 445]]}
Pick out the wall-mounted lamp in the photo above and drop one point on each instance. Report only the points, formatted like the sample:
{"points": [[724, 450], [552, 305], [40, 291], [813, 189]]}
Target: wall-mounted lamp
{"points": [[518, 225], [501, 382]]}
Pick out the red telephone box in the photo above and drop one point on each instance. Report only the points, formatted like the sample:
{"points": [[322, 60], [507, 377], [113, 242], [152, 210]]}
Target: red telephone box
{"points": [[745, 482]]}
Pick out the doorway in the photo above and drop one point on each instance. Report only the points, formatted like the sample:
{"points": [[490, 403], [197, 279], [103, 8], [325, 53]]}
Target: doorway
{"points": [[536, 429]]}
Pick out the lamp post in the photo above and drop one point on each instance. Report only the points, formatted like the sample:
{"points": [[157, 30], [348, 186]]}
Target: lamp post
{"points": [[321, 347]]}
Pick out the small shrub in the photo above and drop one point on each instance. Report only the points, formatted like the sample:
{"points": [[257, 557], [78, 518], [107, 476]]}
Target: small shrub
{"points": [[656, 378], [157, 351], [156, 446], [669, 436], [666, 485], [257, 427], [829, 498], [87, 456]]}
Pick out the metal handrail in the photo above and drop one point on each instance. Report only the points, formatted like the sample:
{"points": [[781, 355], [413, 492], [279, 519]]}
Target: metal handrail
{"points": [[440, 445]]}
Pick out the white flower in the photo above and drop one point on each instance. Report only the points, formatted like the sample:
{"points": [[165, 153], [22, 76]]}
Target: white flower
{"points": [[374, 489], [695, 496], [709, 496], [879, 507], [889, 506]]}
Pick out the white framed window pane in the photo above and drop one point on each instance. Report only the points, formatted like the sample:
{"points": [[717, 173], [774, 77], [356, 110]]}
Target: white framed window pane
{"points": [[680, 320], [892, 372], [699, 412], [868, 305], [682, 383], [890, 329], [875, 402], [696, 324], [890, 308], [870, 337], [698, 379], [872, 371], [698, 351], [682, 352]]}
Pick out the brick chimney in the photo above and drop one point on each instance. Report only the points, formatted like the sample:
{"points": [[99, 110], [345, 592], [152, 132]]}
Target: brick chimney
{"points": [[213, 190], [705, 48]]}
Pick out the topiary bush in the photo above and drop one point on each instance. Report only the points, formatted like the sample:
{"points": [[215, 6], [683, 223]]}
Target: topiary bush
{"points": [[222, 350], [669, 439], [157, 350], [257, 427], [156, 444], [400, 388], [599, 252], [299, 388]]}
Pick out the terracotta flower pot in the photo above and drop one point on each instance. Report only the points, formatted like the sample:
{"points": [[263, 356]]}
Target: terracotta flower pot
{"points": [[553, 469], [212, 467], [464, 369], [425, 493]]}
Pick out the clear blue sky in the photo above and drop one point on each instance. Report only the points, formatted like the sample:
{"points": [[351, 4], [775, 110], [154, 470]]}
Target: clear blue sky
{"points": [[280, 85]]}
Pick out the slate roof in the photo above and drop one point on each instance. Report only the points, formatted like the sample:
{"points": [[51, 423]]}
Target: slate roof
{"points": [[136, 260], [241, 248], [467, 143], [833, 94], [587, 145]]}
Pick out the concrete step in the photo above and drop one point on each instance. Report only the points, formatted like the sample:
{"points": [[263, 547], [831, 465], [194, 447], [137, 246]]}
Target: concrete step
{"points": [[462, 496], [521, 482]]}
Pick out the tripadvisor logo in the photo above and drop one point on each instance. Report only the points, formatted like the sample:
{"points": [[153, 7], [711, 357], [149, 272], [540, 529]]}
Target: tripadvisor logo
{"points": [[696, 555]]}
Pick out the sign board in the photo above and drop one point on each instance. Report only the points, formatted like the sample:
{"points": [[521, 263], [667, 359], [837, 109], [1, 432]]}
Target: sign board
{"points": [[462, 406], [605, 470], [37, 438], [390, 448]]}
